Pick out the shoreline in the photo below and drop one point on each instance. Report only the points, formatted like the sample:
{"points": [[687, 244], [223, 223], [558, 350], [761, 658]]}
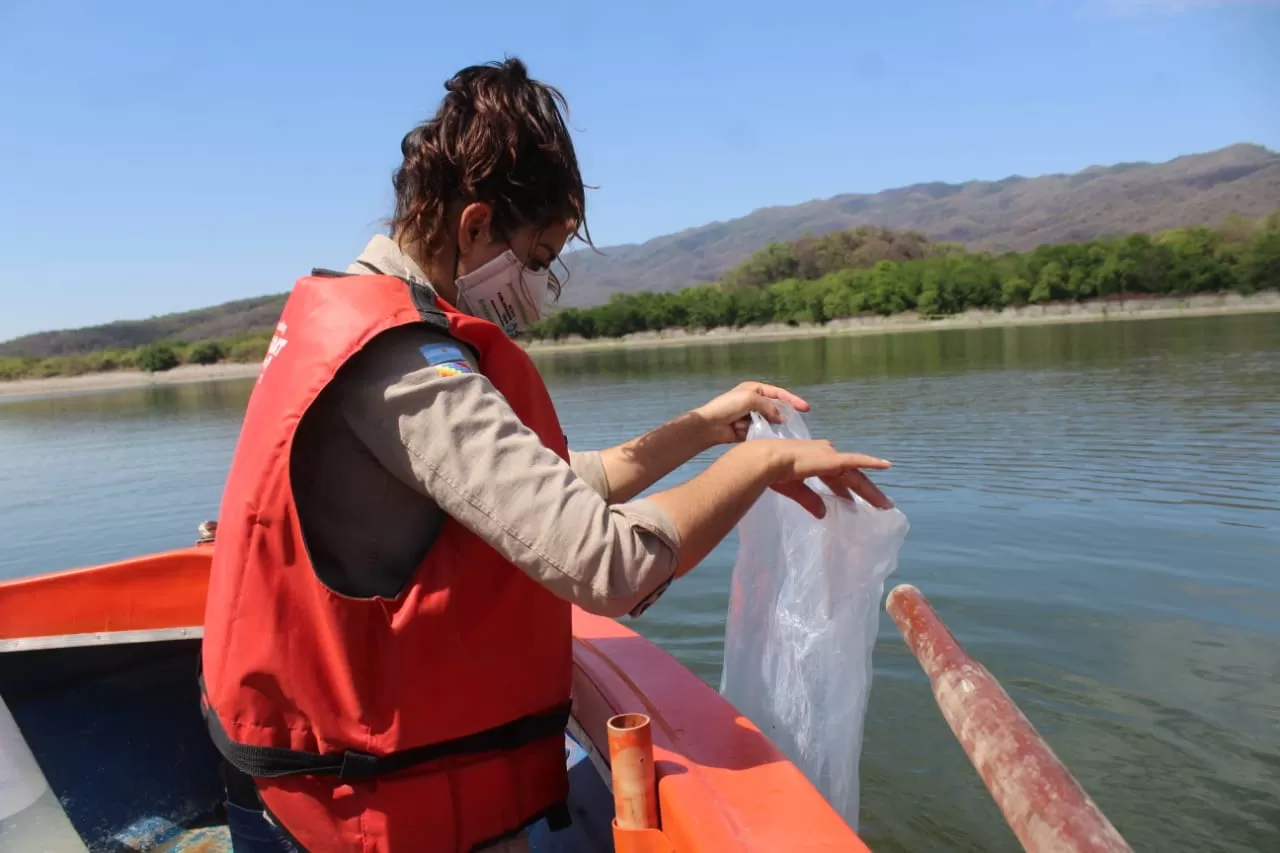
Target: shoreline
{"points": [[1152, 308], [125, 380], [1056, 314]]}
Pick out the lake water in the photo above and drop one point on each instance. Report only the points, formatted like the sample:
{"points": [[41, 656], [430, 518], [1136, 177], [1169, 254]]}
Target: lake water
{"points": [[1095, 513]]}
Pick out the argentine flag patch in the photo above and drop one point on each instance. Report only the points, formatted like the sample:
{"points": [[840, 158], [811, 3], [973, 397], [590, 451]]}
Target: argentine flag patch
{"points": [[448, 359]]}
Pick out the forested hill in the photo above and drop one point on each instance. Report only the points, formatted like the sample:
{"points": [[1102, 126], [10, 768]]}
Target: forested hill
{"points": [[836, 277], [1014, 213], [228, 320]]}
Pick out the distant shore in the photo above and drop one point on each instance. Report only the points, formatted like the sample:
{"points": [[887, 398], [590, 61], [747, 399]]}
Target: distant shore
{"points": [[1146, 308], [121, 380], [1153, 308]]}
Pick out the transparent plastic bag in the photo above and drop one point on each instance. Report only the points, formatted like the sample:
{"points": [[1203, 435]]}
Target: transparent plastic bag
{"points": [[804, 610]]}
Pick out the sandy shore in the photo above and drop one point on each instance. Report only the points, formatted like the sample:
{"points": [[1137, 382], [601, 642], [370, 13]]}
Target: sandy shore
{"points": [[1207, 305], [119, 380]]}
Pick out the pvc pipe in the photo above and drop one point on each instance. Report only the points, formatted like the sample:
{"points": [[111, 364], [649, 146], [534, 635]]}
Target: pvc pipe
{"points": [[1043, 803], [635, 790]]}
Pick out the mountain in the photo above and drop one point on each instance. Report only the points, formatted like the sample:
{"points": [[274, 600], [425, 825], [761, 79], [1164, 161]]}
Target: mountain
{"points": [[221, 321], [1014, 213]]}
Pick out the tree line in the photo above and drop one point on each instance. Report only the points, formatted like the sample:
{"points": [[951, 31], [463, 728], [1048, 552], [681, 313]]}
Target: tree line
{"points": [[153, 357], [845, 274], [824, 279]]}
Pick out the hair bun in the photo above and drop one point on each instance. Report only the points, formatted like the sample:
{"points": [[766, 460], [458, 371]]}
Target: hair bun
{"points": [[514, 69], [500, 138], [471, 83]]}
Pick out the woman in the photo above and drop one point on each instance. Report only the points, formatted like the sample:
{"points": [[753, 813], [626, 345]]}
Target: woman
{"points": [[404, 529]]}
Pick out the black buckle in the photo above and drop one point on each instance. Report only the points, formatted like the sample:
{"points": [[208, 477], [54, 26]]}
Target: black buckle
{"points": [[358, 765]]}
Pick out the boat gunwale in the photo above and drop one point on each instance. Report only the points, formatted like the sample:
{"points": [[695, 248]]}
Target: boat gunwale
{"points": [[99, 638]]}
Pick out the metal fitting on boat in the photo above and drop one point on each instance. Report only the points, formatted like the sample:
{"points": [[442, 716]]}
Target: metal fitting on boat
{"points": [[206, 532]]}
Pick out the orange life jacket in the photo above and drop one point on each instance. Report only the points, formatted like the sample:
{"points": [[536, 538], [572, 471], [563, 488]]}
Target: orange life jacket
{"points": [[429, 722]]}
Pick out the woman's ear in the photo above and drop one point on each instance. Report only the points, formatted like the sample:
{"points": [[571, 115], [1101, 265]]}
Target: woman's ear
{"points": [[475, 227]]}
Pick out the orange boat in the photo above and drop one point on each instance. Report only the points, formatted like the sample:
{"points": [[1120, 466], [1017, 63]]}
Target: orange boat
{"points": [[103, 747], [98, 666]]}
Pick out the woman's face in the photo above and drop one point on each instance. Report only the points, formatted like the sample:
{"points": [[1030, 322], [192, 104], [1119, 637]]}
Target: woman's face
{"points": [[536, 248]]}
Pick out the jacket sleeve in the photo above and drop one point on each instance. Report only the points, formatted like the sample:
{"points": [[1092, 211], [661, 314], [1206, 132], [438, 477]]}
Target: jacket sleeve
{"points": [[444, 430], [588, 465]]}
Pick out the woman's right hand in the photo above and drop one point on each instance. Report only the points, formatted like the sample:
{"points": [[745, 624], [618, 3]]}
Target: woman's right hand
{"points": [[707, 507], [791, 461]]}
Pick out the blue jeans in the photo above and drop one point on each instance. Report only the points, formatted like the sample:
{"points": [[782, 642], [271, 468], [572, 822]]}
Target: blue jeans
{"points": [[252, 832]]}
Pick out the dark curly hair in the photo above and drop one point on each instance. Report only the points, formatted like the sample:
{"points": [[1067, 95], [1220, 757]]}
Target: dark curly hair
{"points": [[498, 138]]}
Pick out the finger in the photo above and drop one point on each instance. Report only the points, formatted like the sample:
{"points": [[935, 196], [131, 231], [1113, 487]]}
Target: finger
{"points": [[837, 463], [862, 460], [740, 428], [838, 487], [868, 490], [817, 458], [776, 393], [767, 408], [803, 495]]}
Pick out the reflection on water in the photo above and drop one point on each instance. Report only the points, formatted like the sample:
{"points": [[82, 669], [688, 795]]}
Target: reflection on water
{"points": [[1095, 512], [101, 477]]}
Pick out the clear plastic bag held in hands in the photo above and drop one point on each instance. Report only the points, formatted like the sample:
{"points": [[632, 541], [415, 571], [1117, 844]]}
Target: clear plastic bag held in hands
{"points": [[804, 609]]}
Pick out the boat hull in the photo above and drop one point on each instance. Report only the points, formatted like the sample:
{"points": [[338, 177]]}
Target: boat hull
{"points": [[98, 666]]}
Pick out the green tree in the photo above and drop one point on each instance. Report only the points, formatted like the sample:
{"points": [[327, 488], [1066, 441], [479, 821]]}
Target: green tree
{"points": [[706, 307], [1198, 261], [793, 302], [774, 262], [930, 303], [937, 298], [1260, 263], [249, 349], [752, 307], [1016, 290], [157, 357], [1049, 285], [887, 292], [206, 352]]}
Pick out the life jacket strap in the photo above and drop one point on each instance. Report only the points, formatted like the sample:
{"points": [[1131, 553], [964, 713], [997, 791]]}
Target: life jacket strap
{"points": [[274, 762]]}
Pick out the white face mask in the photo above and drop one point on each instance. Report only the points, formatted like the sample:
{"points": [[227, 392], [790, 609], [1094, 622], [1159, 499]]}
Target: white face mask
{"points": [[505, 293]]}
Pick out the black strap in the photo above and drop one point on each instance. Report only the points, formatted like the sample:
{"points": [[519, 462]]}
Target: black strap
{"points": [[274, 762], [241, 790]]}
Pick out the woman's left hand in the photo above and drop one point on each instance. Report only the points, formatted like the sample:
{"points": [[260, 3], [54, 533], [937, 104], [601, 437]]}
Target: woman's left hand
{"points": [[728, 416]]}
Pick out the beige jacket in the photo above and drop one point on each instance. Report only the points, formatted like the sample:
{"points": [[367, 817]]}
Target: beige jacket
{"points": [[392, 447]]}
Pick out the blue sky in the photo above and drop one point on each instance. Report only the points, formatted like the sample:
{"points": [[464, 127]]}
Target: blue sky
{"points": [[163, 156]]}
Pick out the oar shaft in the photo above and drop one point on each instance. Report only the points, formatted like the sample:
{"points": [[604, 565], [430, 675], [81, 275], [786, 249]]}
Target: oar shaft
{"points": [[1042, 802]]}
